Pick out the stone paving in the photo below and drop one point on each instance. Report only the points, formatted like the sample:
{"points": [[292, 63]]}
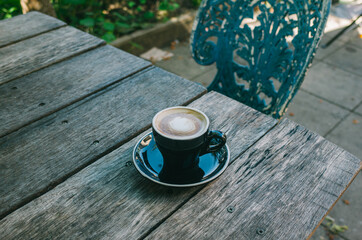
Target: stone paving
{"points": [[328, 103]]}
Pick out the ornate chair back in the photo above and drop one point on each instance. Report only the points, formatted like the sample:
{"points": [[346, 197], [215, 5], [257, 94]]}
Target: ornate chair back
{"points": [[262, 49]]}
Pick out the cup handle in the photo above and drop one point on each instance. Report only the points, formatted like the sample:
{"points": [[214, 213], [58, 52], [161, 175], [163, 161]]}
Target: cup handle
{"points": [[213, 148]]}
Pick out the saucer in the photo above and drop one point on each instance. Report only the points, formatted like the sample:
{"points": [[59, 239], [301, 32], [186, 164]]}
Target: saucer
{"points": [[149, 162]]}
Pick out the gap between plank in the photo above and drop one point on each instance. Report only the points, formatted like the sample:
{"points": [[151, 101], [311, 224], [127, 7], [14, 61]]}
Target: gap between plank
{"points": [[35, 35], [58, 61], [74, 101], [202, 187], [52, 185], [171, 213]]}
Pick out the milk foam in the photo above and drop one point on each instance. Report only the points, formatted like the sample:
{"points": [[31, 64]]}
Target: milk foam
{"points": [[182, 125]]}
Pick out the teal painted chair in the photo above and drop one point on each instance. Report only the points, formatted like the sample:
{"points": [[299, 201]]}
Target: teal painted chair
{"points": [[262, 49]]}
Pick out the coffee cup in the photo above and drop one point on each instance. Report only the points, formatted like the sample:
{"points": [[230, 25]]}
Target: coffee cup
{"points": [[182, 135]]}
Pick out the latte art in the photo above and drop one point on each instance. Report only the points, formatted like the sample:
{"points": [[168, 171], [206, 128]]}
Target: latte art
{"points": [[180, 123]]}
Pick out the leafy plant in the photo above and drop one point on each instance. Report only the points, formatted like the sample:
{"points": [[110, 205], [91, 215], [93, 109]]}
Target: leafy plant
{"points": [[168, 5], [196, 3], [333, 227], [136, 45], [9, 8], [107, 19]]}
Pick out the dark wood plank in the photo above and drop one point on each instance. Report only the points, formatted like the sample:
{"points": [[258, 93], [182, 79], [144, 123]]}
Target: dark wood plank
{"points": [[46, 152], [281, 188], [110, 199], [38, 94], [24, 26], [38, 52]]}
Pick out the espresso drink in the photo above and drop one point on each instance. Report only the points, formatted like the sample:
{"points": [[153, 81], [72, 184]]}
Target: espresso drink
{"points": [[181, 135], [180, 123]]}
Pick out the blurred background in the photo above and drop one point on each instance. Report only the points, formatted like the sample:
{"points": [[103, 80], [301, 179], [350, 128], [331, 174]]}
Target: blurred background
{"points": [[107, 19]]}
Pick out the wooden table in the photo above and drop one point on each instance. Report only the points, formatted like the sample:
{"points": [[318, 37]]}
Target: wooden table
{"points": [[71, 111]]}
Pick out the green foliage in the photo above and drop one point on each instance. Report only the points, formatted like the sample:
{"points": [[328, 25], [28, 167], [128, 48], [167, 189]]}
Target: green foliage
{"points": [[333, 227], [109, 37], [131, 4], [87, 22], [167, 5], [74, 2], [196, 3], [107, 19], [136, 45], [9, 8]]}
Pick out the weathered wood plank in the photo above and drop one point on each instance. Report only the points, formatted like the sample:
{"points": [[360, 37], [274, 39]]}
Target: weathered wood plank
{"points": [[61, 84], [280, 188], [24, 26], [110, 199], [35, 53], [49, 150]]}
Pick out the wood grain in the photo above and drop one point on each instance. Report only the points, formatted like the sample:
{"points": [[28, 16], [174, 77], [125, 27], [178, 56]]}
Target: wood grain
{"points": [[280, 188], [110, 199], [46, 152], [41, 51], [38, 94], [25, 26]]}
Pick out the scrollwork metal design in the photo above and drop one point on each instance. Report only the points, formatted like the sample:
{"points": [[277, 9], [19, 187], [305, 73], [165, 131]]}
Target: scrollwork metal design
{"points": [[262, 49]]}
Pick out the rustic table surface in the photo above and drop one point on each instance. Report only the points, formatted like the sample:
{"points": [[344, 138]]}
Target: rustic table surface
{"points": [[71, 110]]}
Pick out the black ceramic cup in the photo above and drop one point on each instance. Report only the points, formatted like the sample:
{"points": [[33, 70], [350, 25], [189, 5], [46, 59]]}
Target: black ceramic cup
{"points": [[182, 135]]}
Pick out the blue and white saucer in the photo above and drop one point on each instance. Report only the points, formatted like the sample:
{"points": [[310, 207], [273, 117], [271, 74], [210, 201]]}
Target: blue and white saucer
{"points": [[149, 162]]}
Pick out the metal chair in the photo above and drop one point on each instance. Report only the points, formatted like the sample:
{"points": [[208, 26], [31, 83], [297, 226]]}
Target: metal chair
{"points": [[262, 49]]}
